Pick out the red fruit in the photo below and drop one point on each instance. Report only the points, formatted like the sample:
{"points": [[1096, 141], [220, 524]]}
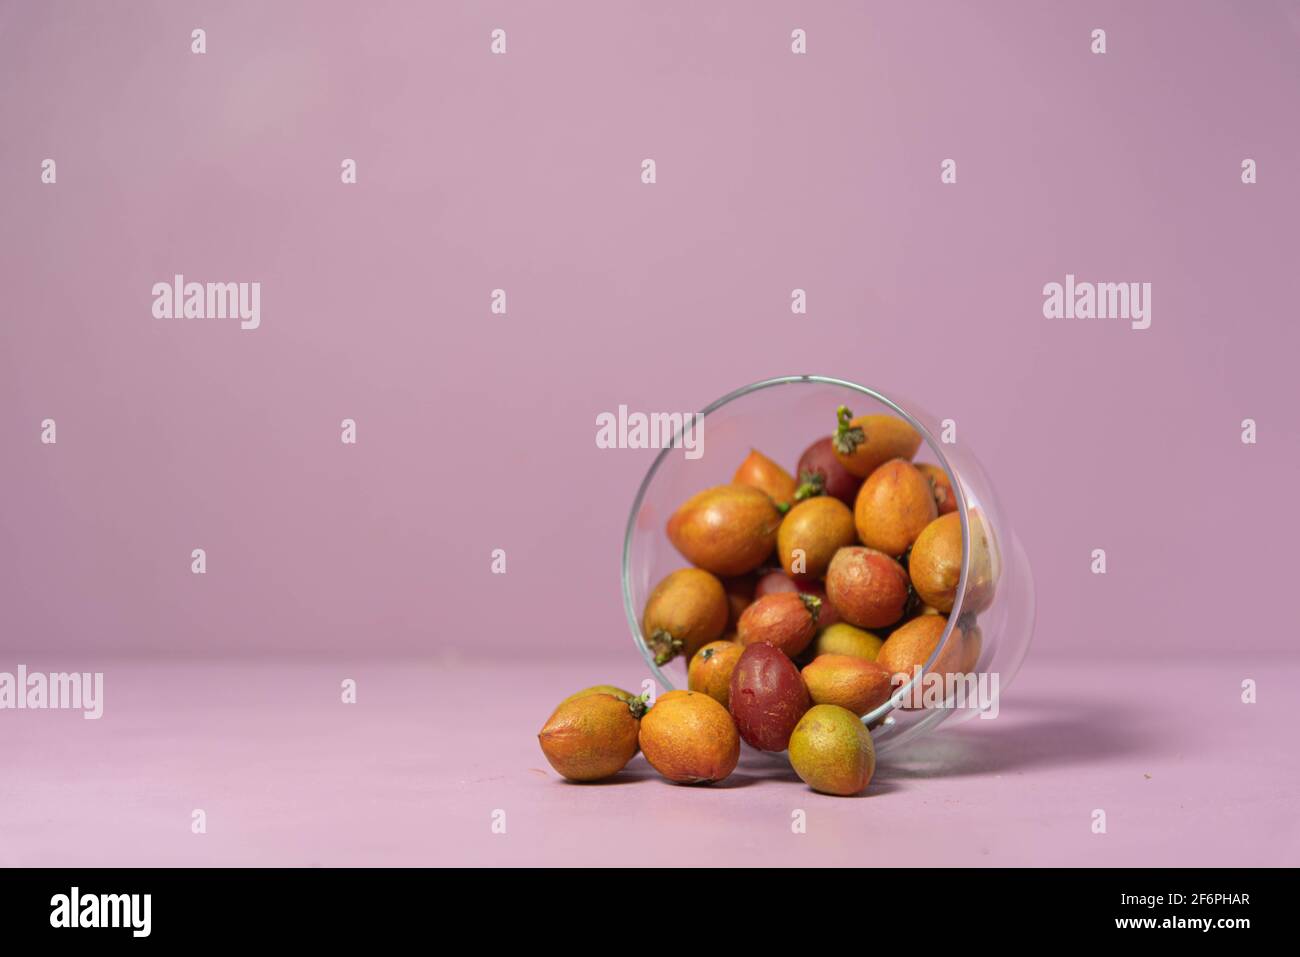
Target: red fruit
{"points": [[785, 621], [779, 583], [820, 472], [774, 583], [767, 697], [868, 588], [827, 615]]}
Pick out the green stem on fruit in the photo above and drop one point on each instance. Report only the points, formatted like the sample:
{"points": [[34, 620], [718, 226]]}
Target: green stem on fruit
{"points": [[813, 604], [782, 507], [664, 646], [847, 435], [637, 706], [811, 484]]}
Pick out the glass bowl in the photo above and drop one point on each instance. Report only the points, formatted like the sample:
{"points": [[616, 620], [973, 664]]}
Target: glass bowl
{"points": [[781, 417]]}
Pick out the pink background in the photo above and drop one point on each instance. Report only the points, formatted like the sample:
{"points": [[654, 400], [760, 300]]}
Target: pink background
{"points": [[476, 431], [522, 172]]}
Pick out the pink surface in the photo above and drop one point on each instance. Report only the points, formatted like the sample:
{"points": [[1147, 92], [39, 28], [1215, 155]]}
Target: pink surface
{"points": [[413, 773]]}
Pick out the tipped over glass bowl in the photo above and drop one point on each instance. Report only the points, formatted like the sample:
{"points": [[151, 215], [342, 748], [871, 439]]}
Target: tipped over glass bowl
{"points": [[781, 417]]}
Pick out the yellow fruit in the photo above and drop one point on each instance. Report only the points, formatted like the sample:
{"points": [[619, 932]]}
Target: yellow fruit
{"points": [[690, 739], [893, 506], [985, 565], [686, 611], [811, 533], [726, 530], [765, 475], [911, 645], [617, 692], [945, 499], [865, 443], [711, 668], [935, 562], [591, 737], [854, 684], [842, 638], [832, 752]]}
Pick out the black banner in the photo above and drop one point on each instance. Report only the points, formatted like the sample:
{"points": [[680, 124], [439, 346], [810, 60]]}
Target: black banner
{"points": [[331, 906]]}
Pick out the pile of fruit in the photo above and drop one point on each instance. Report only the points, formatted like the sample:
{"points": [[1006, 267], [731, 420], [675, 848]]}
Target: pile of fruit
{"points": [[812, 598]]}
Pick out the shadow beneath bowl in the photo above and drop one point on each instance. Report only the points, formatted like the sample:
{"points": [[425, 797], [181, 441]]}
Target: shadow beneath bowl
{"points": [[1041, 733]]}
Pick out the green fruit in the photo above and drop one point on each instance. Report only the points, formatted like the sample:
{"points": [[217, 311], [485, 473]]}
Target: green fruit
{"points": [[832, 752]]}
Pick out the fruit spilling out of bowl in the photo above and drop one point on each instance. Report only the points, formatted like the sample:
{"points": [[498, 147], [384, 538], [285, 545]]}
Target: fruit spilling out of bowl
{"points": [[813, 599]]}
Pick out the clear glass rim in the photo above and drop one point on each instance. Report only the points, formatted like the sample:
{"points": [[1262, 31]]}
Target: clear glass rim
{"points": [[634, 618]]}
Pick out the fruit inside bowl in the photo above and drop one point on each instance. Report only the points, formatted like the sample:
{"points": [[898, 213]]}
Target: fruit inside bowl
{"points": [[826, 545]]}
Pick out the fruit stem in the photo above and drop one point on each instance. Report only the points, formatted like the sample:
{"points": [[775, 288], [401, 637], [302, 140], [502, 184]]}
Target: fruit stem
{"points": [[637, 706], [813, 604], [847, 435], [664, 646], [811, 484], [782, 507]]}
